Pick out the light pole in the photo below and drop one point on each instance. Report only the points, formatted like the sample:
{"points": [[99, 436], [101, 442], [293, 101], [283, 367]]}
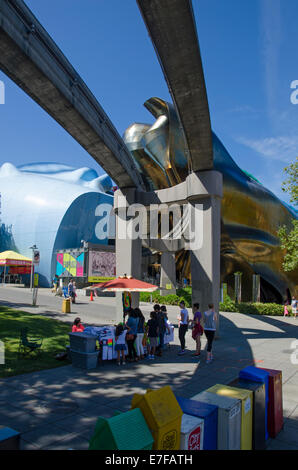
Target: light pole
{"points": [[33, 248]]}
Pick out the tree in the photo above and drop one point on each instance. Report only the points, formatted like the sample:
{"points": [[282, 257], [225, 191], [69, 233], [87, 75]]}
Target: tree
{"points": [[289, 239]]}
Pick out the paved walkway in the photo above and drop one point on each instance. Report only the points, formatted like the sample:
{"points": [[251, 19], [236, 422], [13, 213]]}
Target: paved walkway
{"points": [[58, 408]]}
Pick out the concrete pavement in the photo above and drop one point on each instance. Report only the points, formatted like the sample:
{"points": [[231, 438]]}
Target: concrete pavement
{"points": [[58, 408]]}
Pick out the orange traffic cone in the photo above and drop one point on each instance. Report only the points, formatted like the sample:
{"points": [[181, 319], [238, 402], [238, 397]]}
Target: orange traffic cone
{"points": [[91, 296]]}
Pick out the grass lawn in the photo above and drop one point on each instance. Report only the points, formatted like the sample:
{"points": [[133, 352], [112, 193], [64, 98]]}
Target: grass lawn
{"points": [[54, 334]]}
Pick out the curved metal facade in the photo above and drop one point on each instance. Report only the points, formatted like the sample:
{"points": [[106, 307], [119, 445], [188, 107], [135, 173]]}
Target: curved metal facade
{"points": [[251, 214], [53, 206]]}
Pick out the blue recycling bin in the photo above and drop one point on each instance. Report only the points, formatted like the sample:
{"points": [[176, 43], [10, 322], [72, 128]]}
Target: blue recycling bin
{"points": [[207, 412], [260, 376]]}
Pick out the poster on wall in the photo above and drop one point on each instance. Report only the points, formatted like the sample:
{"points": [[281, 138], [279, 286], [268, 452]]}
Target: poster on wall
{"points": [[102, 266], [70, 264]]}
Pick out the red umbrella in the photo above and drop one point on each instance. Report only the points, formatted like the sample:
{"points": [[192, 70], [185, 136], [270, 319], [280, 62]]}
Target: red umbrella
{"points": [[125, 284]]}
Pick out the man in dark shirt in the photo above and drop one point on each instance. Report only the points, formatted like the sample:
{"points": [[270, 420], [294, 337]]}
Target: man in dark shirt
{"points": [[153, 332]]}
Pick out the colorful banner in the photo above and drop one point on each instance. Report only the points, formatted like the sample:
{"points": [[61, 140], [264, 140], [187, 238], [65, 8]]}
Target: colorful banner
{"points": [[102, 264], [19, 270], [70, 264]]}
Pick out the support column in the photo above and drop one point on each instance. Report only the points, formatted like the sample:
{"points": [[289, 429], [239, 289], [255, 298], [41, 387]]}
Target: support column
{"points": [[128, 249], [205, 261], [168, 273]]}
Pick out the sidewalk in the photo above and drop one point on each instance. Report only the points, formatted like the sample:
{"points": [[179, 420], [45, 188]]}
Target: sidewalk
{"points": [[58, 408]]}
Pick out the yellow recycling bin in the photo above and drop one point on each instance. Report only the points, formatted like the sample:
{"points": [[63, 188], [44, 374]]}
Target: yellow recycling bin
{"points": [[163, 416], [66, 306], [246, 397]]}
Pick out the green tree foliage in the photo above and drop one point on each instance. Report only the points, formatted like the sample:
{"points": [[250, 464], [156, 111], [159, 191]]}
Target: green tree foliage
{"points": [[289, 239]]}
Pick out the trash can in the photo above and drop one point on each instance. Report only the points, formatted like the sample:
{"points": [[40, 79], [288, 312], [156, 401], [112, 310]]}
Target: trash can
{"points": [[258, 375], [192, 433], [84, 360], [229, 419], [275, 408], [125, 431], [246, 398], [163, 416], [259, 410], [207, 412], [66, 306]]}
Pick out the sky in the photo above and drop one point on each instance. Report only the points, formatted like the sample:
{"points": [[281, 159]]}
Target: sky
{"points": [[249, 56]]}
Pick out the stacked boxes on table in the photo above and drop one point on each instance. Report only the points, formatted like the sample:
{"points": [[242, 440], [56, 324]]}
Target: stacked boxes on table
{"points": [[83, 350], [229, 419]]}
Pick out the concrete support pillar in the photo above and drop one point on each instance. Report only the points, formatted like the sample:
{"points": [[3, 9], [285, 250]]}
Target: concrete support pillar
{"points": [[128, 248], [168, 273], [205, 261]]}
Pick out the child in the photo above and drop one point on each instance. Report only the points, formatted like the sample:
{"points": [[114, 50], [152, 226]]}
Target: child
{"points": [[286, 312], [153, 332], [120, 346], [77, 326]]}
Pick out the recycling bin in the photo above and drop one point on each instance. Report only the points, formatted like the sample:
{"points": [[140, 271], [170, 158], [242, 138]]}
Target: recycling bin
{"points": [[209, 414], [229, 419], [192, 433], [82, 342], [124, 431], [260, 376], [246, 398], [66, 306], [275, 408], [259, 407]]}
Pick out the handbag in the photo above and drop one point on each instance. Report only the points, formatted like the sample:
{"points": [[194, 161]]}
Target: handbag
{"points": [[197, 330]]}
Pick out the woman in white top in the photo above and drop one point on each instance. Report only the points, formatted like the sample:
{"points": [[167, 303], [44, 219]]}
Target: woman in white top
{"points": [[183, 326], [209, 319]]}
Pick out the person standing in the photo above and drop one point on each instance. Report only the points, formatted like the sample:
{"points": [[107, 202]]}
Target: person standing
{"points": [[70, 290], [294, 306], [183, 326], [209, 319], [197, 329], [120, 343], [153, 332], [140, 333], [132, 324]]}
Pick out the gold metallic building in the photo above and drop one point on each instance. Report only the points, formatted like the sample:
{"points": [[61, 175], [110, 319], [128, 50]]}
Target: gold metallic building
{"points": [[251, 214]]}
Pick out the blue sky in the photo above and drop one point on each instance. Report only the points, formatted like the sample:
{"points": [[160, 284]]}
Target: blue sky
{"points": [[249, 56]]}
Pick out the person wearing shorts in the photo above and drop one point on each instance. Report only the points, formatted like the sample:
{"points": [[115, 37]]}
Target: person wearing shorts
{"points": [[153, 332]]}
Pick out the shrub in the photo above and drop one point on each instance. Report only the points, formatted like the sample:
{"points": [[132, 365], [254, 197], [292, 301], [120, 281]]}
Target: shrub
{"points": [[227, 306]]}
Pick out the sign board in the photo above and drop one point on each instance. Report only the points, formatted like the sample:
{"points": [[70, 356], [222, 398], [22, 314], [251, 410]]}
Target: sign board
{"points": [[102, 266], [36, 257], [36, 279], [19, 270], [70, 264], [168, 286]]}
